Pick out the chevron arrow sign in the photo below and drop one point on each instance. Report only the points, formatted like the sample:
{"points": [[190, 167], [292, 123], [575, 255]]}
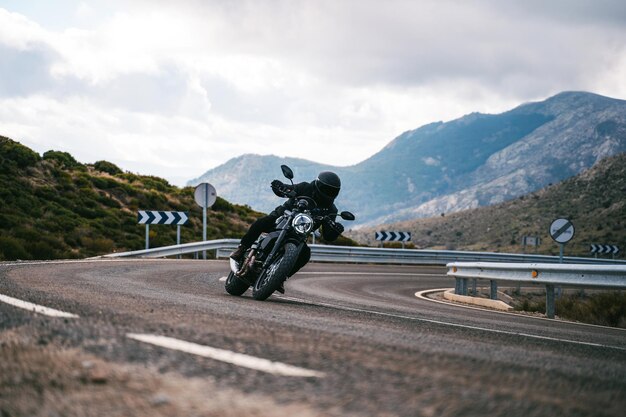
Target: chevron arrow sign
{"points": [[393, 236], [177, 218], [604, 249]]}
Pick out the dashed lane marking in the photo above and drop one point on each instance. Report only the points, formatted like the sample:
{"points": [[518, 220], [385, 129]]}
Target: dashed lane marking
{"points": [[389, 274], [36, 308], [227, 356]]}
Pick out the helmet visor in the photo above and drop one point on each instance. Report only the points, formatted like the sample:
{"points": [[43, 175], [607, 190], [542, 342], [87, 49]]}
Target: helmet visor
{"points": [[327, 190]]}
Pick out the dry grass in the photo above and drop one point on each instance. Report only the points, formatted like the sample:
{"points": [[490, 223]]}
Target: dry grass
{"points": [[43, 380]]}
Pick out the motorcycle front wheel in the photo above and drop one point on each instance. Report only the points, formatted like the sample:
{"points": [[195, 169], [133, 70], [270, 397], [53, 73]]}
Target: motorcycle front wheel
{"points": [[234, 285], [276, 274]]}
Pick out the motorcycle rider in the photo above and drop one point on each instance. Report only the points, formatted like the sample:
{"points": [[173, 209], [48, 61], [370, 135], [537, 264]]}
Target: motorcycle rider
{"points": [[323, 190]]}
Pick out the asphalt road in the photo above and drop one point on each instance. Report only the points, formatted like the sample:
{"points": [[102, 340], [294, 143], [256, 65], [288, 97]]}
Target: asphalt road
{"points": [[369, 345]]}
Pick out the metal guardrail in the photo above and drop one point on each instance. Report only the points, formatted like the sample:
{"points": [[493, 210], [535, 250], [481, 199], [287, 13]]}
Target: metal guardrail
{"points": [[519, 268], [353, 254], [547, 274], [175, 250]]}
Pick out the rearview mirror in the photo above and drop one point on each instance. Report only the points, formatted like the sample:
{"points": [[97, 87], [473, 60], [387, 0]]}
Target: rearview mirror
{"points": [[346, 215], [287, 172]]}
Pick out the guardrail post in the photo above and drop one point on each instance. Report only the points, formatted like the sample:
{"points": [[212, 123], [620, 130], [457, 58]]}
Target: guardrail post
{"points": [[474, 287], [463, 286], [457, 286], [550, 301], [494, 290]]}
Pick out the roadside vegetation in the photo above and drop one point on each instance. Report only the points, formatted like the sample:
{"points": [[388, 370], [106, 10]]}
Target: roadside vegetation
{"points": [[601, 308], [53, 206]]}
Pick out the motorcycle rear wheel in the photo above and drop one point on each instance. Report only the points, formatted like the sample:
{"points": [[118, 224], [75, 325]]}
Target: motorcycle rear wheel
{"points": [[234, 285], [276, 274]]}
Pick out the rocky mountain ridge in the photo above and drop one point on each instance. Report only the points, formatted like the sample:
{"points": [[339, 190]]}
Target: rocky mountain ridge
{"points": [[594, 200], [476, 160]]}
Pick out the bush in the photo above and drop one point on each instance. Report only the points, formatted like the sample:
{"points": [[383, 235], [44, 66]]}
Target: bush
{"points": [[606, 308], [17, 154], [63, 158], [43, 250], [108, 167], [156, 183], [98, 246], [11, 249], [223, 206]]}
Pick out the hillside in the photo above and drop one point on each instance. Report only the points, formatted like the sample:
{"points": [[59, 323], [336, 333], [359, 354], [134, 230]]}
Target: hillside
{"points": [[595, 201], [55, 207], [476, 160]]}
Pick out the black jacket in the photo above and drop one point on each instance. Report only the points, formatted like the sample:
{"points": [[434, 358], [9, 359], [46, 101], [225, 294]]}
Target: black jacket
{"points": [[307, 189]]}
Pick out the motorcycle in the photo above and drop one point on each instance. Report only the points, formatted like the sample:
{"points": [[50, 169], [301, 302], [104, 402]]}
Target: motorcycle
{"points": [[266, 265]]}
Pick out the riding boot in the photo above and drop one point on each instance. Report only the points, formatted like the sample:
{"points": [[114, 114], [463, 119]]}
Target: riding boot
{"points": [[238, 253], [281, 289]]}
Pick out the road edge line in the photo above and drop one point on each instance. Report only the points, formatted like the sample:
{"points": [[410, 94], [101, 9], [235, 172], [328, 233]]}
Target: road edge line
{"points": [[36, 308]]}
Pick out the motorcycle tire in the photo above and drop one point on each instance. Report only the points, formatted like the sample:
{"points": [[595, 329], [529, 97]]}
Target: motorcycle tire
{"points": [[276, 274], [234, 285]]}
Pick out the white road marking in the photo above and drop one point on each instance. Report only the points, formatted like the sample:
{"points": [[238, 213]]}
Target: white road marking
{"points": [[223, 279], [227, 356], [389, 274], [421, 296], [443, 323], [36, 308]]}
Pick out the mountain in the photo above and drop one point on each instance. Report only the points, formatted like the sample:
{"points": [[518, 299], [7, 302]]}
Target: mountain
{"points": [[55, 207], [476, 160], [594, 200], [248, 177]]}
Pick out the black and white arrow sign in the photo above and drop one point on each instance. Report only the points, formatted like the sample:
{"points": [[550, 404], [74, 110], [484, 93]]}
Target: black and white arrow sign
{"points": [[604, 249], [176, 218], [393, 236]]}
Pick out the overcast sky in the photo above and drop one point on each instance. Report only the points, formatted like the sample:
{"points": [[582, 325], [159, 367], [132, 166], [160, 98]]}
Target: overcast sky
{"points": [[173, 88]]}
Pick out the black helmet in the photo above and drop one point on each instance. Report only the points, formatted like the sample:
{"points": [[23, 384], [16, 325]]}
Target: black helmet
{"points": [[328, 184]]}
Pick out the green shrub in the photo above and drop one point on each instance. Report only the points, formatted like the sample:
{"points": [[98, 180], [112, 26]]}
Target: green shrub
{"points": [[98, 246], [43, 250], [108, 167], [64, 159], [17, 154], [155, 183], [606, 308], [223, 206], [12, 249]]}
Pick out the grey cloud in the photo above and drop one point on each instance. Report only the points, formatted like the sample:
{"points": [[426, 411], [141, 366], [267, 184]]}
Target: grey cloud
{"points": [[23, 72], [521, 48], [603, 12], [27, 72], [543, 45]]}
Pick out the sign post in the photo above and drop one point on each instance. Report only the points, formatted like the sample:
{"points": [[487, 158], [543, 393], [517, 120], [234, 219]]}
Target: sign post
{"points": [[205, 196], [562, 231]]}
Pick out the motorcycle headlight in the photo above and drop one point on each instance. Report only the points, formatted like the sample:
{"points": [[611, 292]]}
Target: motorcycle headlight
{"points": [[303, 223]]}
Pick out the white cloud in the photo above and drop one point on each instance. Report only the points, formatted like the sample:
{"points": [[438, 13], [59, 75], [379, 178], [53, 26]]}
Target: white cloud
{"points": [[430, 161], [174, 88]]}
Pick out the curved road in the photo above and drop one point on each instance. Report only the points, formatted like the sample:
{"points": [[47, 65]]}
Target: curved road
{"points": [[351, 340]]}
